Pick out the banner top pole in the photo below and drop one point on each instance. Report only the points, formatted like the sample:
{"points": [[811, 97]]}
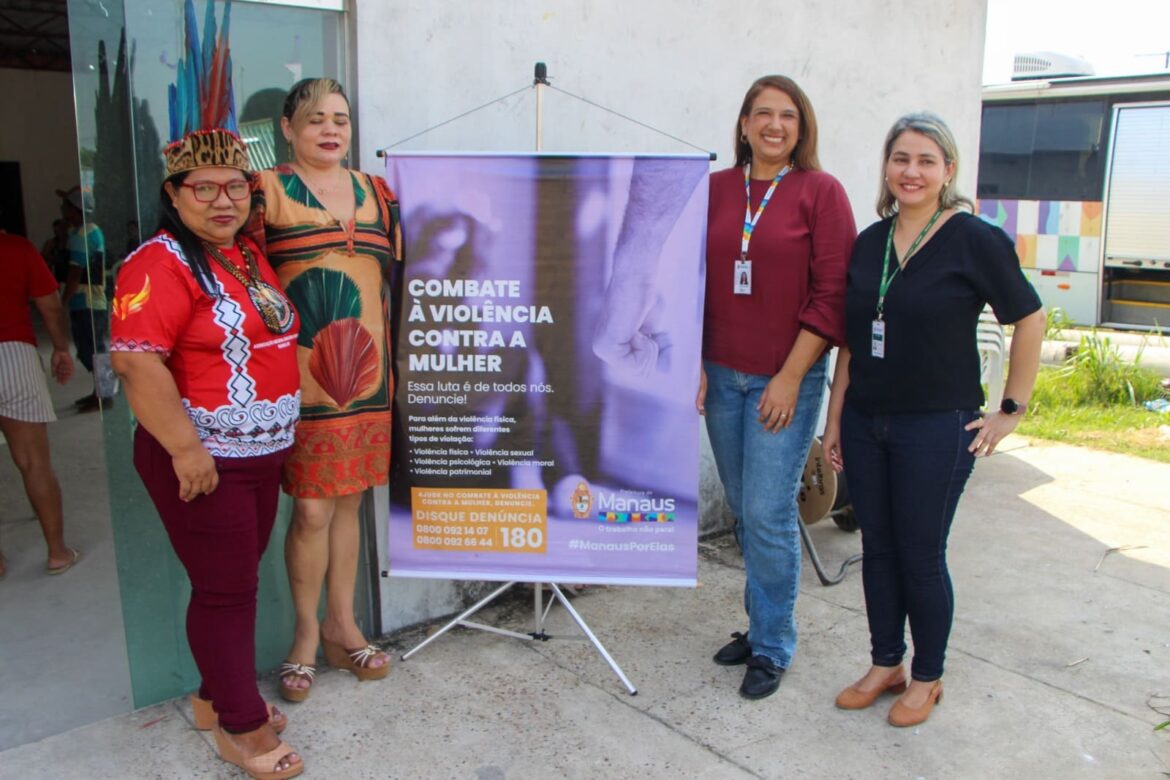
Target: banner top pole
{"points": [[539, 82]]}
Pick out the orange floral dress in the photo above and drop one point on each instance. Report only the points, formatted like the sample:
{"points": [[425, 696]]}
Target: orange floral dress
{"points": [[334, 274]]}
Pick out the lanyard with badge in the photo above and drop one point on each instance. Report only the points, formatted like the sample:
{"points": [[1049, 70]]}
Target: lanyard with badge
{"points": [[877, 343], [743, 266]]}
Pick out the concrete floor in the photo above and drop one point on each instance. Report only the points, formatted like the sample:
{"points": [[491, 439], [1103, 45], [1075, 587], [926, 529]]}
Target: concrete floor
{"points": [[1059, 649], [62, 646]]}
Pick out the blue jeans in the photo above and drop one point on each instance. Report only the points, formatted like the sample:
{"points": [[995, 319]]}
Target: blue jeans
{"points": [[906, 473], [761, 472]]}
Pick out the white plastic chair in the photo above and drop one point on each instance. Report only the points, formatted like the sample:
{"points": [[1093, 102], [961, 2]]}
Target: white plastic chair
{"points": [[990, 340]]}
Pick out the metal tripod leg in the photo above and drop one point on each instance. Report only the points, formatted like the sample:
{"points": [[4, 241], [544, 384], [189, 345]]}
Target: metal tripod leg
{"points": [[459, 620], [816, 560], [596, 642], [540, 614]]}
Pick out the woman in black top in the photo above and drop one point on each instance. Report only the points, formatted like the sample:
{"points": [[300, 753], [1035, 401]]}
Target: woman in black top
{"points": [[904, 409]]}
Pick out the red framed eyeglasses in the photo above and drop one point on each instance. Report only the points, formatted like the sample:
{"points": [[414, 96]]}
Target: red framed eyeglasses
{"points": [[208, 191]]}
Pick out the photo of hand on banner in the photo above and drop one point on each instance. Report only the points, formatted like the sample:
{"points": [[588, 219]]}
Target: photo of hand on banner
{"points": [[631, 335], [547, 357]]}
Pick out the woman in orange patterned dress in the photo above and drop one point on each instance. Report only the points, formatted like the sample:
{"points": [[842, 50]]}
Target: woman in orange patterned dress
{"points": [[333, 237]]}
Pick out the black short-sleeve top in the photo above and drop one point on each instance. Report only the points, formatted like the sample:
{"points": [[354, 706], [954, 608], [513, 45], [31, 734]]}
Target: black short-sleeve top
{"points": [[931, 314]]}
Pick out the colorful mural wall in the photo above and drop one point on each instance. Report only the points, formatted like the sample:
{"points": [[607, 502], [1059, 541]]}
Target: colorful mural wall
{"points": [[1051, 235]]}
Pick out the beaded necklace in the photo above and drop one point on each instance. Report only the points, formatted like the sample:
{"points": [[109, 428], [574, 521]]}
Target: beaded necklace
{"points": [[274, 308]]}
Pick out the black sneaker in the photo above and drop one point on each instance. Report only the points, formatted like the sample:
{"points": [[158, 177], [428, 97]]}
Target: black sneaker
{"points": [[761, 679], [735, 652]]}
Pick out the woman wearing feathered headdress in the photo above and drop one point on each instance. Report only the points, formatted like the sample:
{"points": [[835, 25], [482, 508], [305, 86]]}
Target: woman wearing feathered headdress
{"points": [[203, 339]]}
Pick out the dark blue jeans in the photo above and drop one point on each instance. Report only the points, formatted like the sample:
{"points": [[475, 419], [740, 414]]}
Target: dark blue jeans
{"points": [[906, 473]]}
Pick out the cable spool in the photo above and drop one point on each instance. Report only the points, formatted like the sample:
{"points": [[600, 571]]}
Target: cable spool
{"points": [[818, 486]]}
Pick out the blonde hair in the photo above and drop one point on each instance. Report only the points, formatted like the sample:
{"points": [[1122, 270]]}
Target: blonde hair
{"points": [[933, 127], [306, 95]]}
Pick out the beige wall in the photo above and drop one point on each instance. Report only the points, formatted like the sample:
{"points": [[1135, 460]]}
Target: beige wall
{"points": [[679, 65], [40, 133]]}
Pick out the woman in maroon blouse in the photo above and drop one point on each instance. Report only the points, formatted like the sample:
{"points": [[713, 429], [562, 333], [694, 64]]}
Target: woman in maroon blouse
{"points": [[779, 235]]}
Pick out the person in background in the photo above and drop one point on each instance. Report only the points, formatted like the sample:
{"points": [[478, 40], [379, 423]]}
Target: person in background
{"points": [[56, 250], [779, 233], [85, 289], [25, 405], [333, 237], [904, 413]]}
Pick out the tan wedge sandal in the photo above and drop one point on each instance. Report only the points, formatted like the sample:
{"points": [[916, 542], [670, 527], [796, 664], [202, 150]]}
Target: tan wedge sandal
{"points": [[356, 661], [259, 767], [305, 672], [205, 716]]}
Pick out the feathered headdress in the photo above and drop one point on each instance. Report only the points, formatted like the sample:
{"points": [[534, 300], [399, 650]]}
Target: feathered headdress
{"points": [[202, 107]]}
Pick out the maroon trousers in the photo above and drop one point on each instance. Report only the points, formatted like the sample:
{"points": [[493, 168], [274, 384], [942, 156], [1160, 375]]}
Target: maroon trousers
{"points": [[219, 539]]}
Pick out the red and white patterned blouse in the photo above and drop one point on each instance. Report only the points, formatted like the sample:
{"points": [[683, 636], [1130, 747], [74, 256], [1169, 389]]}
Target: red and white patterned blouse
{"points": [[239, 382]]}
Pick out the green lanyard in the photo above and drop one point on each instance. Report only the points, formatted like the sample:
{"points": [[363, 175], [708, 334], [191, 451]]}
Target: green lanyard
{"points": [[887, 277]]}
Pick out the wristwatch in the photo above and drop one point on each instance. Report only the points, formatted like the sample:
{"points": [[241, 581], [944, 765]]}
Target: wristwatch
{"points": [[1010, 406]]}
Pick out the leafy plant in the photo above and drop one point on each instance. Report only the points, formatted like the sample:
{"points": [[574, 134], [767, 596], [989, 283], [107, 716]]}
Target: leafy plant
{"points": [[1055, 321], [1097, 374]]}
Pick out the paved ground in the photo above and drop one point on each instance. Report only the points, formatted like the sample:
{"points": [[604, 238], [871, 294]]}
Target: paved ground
{"points": [[1058, 648], [44, 617]]}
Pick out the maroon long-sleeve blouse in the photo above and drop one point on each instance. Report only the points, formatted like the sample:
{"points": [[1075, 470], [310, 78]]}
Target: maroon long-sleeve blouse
{"points": [[799, 250]]}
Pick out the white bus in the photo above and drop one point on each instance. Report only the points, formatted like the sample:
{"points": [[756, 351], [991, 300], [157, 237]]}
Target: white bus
{"points": [[1077, 172]]}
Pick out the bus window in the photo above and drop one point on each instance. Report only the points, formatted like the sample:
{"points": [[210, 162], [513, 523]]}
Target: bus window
{"points": [[1005, 151], [1044, 151], [1068, 162]]}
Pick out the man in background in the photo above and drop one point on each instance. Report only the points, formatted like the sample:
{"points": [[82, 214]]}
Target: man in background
{"points": [[85, 290], [25, 406]]}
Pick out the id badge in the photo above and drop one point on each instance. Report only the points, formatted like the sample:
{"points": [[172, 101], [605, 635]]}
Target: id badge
{"points": [[743, 277], [877, 339]]}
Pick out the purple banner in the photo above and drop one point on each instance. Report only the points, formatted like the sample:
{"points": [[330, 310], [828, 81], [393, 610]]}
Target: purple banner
{"points": [[548, 352]]}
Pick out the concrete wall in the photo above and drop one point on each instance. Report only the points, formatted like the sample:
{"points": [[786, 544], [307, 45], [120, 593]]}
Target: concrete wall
{"points": [[41, 134], [679, 65]]}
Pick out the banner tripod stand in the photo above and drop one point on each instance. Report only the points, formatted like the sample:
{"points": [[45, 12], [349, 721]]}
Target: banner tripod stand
{"points": [[540, 614], [540, 610]]}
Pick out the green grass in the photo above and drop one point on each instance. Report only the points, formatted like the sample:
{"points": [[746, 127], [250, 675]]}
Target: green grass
{"points": [[1095, 400], [1128, 429]]}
